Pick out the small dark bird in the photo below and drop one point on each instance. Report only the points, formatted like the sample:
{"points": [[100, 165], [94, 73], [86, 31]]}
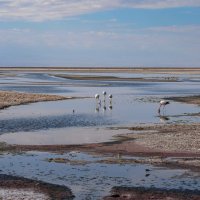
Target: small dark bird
{"points": [[146, 175]]}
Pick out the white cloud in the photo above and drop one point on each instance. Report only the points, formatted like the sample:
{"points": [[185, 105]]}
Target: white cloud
{"points": [[158, 4], [41, 10], [173, 45]]}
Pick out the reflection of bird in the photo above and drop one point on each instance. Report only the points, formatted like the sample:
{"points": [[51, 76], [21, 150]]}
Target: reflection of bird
{"points": [[110, 98], [163, 103], [98, 102], [163, 118]]}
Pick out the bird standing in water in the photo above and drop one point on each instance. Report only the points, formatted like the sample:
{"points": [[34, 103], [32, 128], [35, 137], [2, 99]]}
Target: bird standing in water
{"points": [[163, 103], [97, 96]]}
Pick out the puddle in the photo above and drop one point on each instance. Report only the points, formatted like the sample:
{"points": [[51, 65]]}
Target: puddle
{"points": [[94, 179], [83, 135]]}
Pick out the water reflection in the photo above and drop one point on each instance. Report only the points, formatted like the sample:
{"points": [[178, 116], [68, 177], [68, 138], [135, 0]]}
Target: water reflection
{"points": [[96, 178], [62, 136], [104, 106], [49, 122], [164, 118]]}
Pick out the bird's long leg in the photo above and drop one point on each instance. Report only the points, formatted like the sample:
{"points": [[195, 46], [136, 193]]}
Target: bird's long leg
{"points": [[159, 109]]}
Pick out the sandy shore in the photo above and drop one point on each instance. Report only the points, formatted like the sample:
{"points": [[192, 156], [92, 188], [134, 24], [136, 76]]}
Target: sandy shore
{"points": [[170, 138], [113, 78], [15, 98], [159, 70]]}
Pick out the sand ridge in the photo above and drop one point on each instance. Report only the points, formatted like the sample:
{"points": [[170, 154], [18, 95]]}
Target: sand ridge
{"points": [[10, 98]]}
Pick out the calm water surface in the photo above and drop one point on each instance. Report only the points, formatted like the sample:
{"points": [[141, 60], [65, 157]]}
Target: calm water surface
{"points": [[133, 103], [93, 179]]}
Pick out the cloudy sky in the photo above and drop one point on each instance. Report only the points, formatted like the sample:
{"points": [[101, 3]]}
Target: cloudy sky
{"points": [[100, 33]]}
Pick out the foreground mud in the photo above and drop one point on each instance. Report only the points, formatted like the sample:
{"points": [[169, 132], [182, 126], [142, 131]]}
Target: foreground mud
{"points": [[119, 193], [18, 188]]}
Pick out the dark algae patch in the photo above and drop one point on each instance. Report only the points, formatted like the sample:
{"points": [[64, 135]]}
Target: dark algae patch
{"points": [[140, 193]]}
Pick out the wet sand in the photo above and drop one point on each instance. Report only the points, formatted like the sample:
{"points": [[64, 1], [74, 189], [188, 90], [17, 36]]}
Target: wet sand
{"points": [[8, 98]]}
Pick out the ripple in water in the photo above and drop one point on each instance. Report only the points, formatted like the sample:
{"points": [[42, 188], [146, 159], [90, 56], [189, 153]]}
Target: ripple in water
{"points": [[47, 122]]}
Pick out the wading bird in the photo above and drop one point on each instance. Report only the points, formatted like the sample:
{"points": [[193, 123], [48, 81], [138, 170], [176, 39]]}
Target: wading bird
{"points": [[104, 94], [97, 96], [163, 103], [98, 100]]}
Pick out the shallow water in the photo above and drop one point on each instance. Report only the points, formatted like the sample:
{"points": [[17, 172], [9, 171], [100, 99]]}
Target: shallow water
{"points": [[133, 103], [48, 120], [62, 136], [44, 123], [93, 179]]}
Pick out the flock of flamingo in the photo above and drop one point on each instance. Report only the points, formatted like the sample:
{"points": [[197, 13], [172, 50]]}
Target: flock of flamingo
{"points": [[98, 101], [163, 103]]}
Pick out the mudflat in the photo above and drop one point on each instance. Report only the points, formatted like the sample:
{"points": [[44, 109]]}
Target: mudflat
{"points": [[119, 193], [8, 98]]}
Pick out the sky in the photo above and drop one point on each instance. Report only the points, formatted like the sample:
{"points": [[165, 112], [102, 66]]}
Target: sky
{"points": [[100, 33]]}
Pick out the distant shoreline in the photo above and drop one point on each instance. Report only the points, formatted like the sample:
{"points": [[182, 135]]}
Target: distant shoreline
{"points": [[174, 70]]}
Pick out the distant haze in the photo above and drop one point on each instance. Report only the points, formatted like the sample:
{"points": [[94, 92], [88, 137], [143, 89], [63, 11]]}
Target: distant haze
{"points": [[99, 33]]}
